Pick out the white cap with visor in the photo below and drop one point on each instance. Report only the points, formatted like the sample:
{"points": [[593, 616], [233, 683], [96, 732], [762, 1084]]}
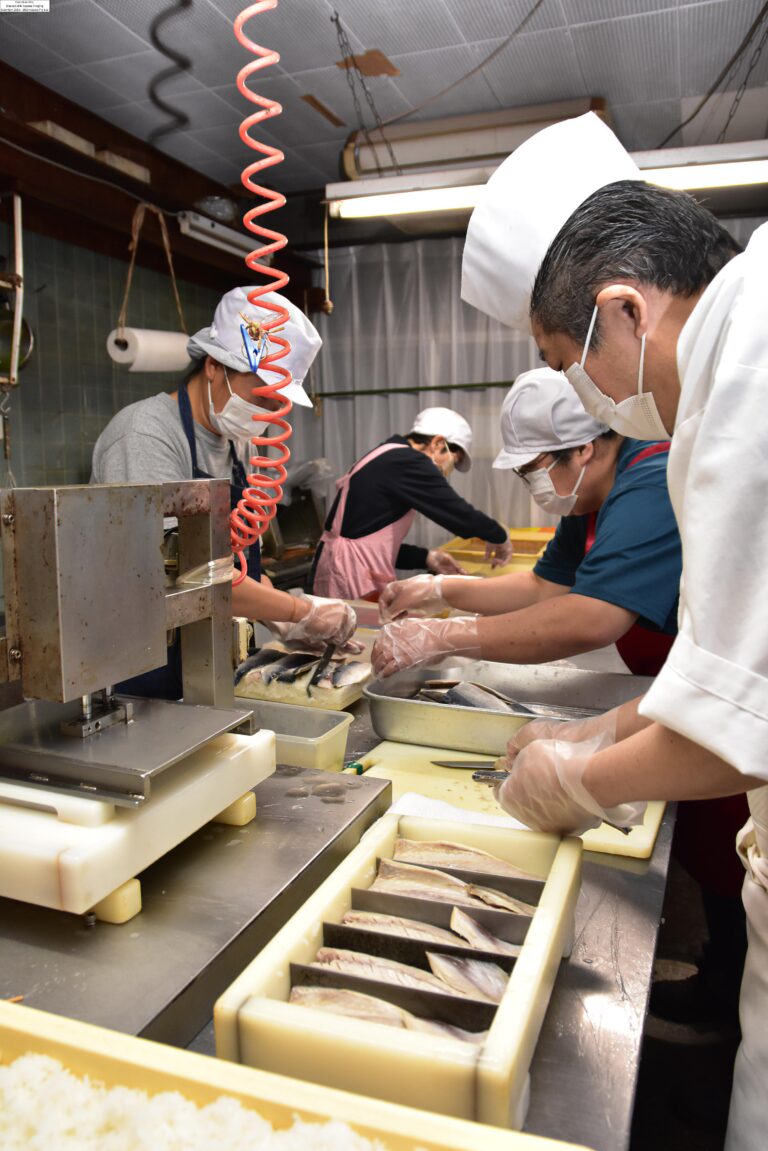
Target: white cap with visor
{"points": [[451, 426], [223, 340], [542, 413]]}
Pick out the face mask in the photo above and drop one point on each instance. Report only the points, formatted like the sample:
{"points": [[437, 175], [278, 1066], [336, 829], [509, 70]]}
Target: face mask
{"points": [[235, 420], [637, 416], [543, 491]]}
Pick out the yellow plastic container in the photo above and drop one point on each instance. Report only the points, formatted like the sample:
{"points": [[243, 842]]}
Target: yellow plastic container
{"points": [[120, 1060], [526, 541], [255, 1024]]}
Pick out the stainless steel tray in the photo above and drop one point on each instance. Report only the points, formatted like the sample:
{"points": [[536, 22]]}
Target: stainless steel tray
{"points": [[397, 716]]}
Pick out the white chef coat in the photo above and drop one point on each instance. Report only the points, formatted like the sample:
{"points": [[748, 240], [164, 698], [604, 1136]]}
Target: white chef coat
{"points": [[714, 686]]}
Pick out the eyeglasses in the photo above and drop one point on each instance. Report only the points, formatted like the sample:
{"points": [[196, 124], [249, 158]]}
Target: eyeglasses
{"points": [[454, 449], [524, 472]]}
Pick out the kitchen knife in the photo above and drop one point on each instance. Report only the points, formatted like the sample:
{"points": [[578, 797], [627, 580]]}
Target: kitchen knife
{"points": [[469, 764], [325, 659], [486, 775]]}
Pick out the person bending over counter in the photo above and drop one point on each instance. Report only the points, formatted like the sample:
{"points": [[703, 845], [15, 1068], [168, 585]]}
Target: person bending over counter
{"points": [[378, 497], [203, 431], [609, 575]]}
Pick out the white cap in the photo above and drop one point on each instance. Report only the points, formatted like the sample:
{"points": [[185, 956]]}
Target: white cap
{"points": [[542, 413], [525, 204], [224, 341], [449, 424]]}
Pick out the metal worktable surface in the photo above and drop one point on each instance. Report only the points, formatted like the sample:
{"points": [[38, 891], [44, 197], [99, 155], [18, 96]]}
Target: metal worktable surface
{"points": [[208, 907], [584, 1072]]}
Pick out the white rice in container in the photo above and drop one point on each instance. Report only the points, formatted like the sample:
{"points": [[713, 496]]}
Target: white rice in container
{"points": [[43, 1107]]}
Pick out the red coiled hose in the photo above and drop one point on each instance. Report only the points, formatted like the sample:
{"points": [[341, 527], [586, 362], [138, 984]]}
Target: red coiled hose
{"points": [[254, 511]]}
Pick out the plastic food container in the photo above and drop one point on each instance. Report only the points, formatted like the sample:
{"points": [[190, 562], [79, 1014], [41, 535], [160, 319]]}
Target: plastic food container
{"points": [[488, 1082], [115, 1060], [305, 736]]}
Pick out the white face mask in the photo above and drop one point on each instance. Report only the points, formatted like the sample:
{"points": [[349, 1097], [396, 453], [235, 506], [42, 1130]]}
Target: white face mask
{"points": [[637, 416], [543, 491], [235, 420]]}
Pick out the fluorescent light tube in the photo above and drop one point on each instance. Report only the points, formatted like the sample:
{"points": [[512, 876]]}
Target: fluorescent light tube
{"points": [[732, 174], [403, 203], [217, 235]]}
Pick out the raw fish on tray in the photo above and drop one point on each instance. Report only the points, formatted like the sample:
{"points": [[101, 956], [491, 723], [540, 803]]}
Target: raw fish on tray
{"points": [[373, 1010], [448, 854], [423, 883], [397, 925], [473, 977], [286, 675], [383, 970], [474, 934]]}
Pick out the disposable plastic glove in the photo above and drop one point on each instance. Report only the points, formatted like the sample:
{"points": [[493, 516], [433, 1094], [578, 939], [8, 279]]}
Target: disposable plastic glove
{"points": [[499, 554], [327, 621], [443, 564], [420, 595], [409, 642], [545, 789], [572, 731]]}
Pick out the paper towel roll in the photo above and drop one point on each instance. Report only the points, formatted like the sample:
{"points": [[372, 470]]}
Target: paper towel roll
{"points": [[144, 350]]}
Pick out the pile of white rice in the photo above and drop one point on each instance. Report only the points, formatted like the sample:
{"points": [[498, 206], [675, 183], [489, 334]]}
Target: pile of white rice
{"points": [[43, 1107]]}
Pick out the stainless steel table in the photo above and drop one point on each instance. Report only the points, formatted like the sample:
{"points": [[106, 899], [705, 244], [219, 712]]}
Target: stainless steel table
{"points": [[208, 907]]}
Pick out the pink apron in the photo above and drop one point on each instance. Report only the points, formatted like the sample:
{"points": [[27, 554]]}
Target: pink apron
{"points": [[353, 569]]}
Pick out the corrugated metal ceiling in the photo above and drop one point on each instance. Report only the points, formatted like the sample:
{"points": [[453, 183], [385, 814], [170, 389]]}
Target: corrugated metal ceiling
{"points": [[649, 59]]}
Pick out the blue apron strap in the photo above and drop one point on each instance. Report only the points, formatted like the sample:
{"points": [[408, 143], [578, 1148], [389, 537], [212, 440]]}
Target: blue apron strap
{"points": [[188, 424]]}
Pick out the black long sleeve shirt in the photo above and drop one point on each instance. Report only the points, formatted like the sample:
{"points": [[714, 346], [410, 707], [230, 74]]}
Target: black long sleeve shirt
{"points": [[391, 485]]}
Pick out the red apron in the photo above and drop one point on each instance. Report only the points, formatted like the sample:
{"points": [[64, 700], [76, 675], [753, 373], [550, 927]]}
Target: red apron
{"points": [[643, 651], [359, 569], [706, 829]]}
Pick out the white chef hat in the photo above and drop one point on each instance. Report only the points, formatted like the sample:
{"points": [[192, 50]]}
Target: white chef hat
{"points": [[525, 204], [449, 424], [224, 340], [542, 413]]}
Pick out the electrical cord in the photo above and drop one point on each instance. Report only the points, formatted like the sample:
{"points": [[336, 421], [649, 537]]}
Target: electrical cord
{"points": [[77, 172], [725, 72], [180, 65], [351, 66], [473, 71]]}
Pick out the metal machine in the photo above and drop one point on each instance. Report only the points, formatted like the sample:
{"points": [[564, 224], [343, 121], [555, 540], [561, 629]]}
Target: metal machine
{"points": [[106, 782]]}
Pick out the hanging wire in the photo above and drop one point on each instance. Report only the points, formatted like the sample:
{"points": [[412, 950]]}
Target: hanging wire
{"points": [[742, 88], [731, 64], [181, 64], [351, 68], [473, 71]]}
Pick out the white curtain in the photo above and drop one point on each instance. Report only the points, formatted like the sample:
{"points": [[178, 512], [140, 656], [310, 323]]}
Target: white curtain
{"points": [[399, 322]]}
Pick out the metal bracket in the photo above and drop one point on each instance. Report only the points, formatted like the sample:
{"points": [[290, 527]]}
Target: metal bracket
{"points": [[94, 719]]}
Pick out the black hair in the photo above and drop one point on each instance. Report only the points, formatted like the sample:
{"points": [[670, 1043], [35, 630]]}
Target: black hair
{"points": [[193, 370], [627, 230], [564, 454], [420, 439]]}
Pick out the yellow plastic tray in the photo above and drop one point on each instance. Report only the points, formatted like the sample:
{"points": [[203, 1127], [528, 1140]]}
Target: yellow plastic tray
{"points": [[527, 542], [256, 1025], [120, 1060], [409, 768]]}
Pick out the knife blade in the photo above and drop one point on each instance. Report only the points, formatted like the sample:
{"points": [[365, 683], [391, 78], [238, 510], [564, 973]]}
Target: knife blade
{"points": [[485, 774], [467, 764], [325, 659]]}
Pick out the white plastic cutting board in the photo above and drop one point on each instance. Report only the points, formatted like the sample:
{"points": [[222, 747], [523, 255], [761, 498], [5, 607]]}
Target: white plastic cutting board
{"points": [[409, 768], [69, 862]]}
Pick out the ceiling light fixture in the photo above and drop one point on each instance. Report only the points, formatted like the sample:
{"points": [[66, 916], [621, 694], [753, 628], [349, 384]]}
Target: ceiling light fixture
{"points": [[208, 231], [457, 190]]}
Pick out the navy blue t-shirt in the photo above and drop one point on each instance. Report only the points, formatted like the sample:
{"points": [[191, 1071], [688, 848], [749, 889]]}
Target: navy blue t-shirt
{"points": [[636, 559]]}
